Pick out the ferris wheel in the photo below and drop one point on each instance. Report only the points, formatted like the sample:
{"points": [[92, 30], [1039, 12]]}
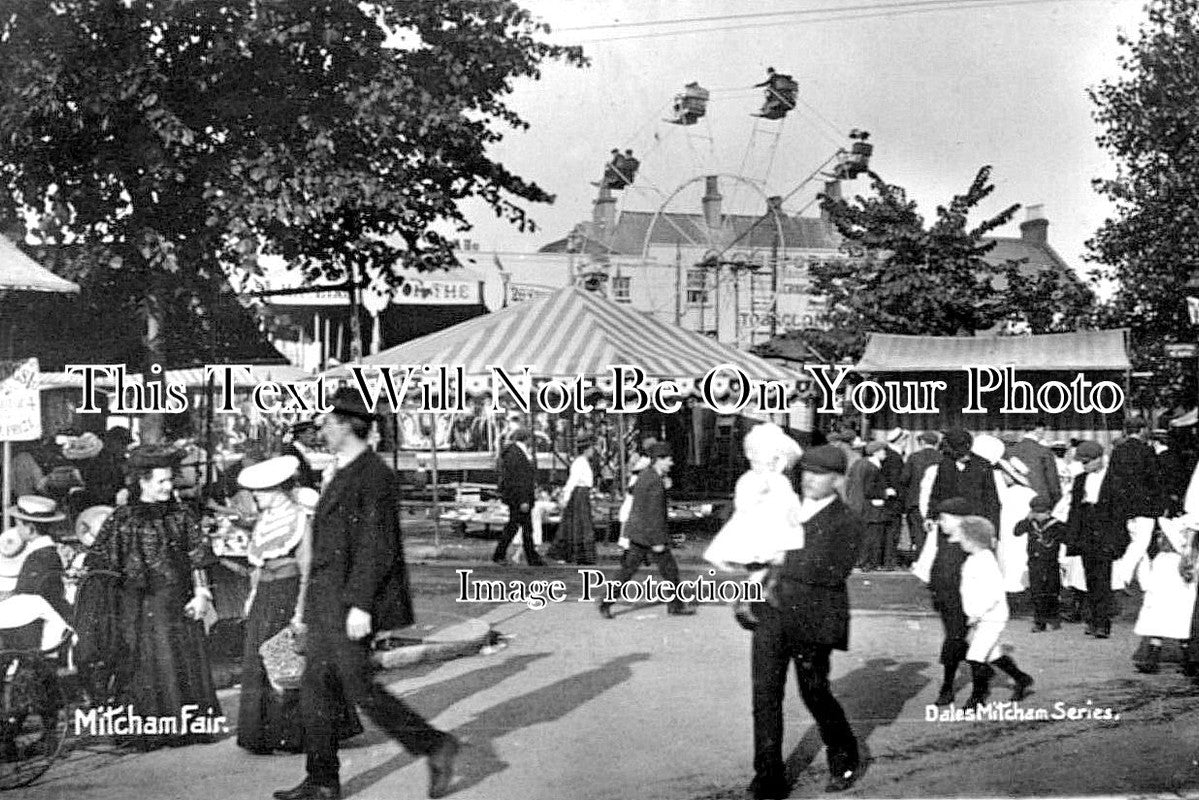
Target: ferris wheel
{"points": [[718, 227]]}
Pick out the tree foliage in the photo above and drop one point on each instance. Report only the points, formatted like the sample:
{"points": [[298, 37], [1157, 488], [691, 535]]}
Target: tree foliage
{"points": [[193, 136], [1150, 247], [904, 276]]}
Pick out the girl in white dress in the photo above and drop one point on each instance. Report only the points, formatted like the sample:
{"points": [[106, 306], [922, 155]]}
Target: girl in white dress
{"points": [[1169, 597], [765, 522]]}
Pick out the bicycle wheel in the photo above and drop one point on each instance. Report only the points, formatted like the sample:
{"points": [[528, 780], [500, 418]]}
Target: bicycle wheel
{"points": [[32, 724]]}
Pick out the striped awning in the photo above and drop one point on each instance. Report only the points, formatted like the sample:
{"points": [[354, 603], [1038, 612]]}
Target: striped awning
{"points": [[574, 332], [1055, 352]]}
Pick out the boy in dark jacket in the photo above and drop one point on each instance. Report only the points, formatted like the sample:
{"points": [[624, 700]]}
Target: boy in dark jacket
{"points": [[1044, 576]]}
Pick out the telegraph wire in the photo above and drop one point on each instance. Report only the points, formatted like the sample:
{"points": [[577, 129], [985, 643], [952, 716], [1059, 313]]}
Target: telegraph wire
{"points": [[830, 15]]}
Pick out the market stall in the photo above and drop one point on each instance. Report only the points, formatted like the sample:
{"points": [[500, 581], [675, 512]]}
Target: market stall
{"points": [[1044, 363], [569, 336]]}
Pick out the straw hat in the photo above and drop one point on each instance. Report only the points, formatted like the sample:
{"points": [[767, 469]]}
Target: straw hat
{"points": [[82, 447], [35, 508], [268, 474]]}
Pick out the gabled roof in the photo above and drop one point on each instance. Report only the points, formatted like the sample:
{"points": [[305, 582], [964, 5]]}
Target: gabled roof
{"points": [[798, 233], [1054, 352]]}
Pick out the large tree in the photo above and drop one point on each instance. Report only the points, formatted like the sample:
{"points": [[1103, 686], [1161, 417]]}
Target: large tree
{"points": [[907, 276], [175, 141], [1150, 246]]}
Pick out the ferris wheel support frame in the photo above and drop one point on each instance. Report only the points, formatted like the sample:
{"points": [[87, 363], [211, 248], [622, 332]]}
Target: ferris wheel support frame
{"points": [[719, 250]]}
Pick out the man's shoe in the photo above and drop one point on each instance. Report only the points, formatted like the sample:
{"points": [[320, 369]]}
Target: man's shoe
{"points": [[844, 780], [538, 562], [499, 560], [769, 788], [307, 790], [1023, 685], [1103, 631], [605, 610], [681, 611], [1038, 627], [441, 767], [945, 698]]}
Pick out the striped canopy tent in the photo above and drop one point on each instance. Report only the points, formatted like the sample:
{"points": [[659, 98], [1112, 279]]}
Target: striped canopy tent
{"points": [[575, 332], [19, 272]]}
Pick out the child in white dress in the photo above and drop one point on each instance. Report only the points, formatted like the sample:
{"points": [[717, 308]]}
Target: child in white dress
{"points": [[765, 522]]}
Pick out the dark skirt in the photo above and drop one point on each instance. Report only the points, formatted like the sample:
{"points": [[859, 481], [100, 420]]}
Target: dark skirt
{"points": [[166, 664], [266, 719], [575, 542]]}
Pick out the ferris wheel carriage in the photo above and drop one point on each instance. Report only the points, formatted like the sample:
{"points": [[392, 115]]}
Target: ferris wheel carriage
{"points": [[782, 93], [621, 171], [690, 105]]}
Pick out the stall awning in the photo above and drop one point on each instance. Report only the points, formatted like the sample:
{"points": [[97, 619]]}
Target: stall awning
{"points": [[572, 332], [1056, 352], [20, 272]]}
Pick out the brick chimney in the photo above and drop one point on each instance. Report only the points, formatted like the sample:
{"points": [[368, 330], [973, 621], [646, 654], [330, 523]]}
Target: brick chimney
{"points": [[1035, 228], [832, 190], [603, 215], [711, 201]]}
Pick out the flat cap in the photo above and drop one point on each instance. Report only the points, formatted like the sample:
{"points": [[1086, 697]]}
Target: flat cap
{"points": [[874, 447], [1088, 450], [953, 505], [660, 450], [824, 459]]}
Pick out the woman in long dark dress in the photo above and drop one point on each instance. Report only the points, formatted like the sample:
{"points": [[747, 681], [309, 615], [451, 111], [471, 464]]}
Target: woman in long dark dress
{"points": [[157, 557], [575, 542], [278, 553]]}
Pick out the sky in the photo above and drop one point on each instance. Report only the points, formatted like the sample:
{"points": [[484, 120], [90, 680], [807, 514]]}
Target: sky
{"points": [[942, 91]]}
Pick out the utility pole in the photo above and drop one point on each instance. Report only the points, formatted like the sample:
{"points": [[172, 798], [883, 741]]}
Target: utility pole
{"points": [[678, 283]]}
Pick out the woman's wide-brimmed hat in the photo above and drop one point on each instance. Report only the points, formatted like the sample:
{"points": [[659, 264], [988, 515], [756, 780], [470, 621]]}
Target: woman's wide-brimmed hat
{"points": [[154, 456], [268, 474], [35, 508], [82, 447]]}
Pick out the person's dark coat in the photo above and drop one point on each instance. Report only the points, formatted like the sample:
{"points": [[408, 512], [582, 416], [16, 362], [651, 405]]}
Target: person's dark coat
{"points": [[41, 574], [647, 523], [1042, 468], [975, 483], [1132, 475], [892, 469], [913, 472], [1095, 529], [357, 553], [810, 588], [518, 477], [874, 488]]}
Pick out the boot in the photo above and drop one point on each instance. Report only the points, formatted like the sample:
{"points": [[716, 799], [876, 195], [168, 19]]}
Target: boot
{"points": [[1153, 656], [945, 697], [982, 683], [1022, 679]]}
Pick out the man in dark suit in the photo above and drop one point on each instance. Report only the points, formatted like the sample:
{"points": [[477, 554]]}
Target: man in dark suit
{"points": [[357, 586], [518, 488], [1097, 532], [1138, 497], [1042, 467], [926, 455], [964, 474], [874, 506], [892, 469], [805, 618], [646, 528]]}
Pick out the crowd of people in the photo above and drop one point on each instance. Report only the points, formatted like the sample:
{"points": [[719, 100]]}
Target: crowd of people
{"points": [[324, 565]]}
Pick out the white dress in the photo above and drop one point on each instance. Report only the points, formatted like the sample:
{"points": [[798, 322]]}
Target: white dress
{"points": [[983, 599], [1169, 600], [1011, 550], [764, 523]]}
